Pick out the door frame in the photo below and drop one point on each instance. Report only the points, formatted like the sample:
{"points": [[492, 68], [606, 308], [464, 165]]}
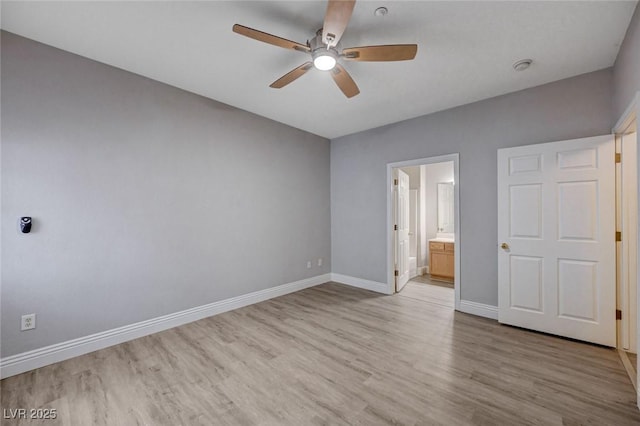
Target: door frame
{"points": [[632, 112], [623, 285], [455, 157]]}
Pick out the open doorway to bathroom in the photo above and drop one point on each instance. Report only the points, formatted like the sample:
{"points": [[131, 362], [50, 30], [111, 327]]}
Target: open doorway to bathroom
{"points": [[424, 255]]}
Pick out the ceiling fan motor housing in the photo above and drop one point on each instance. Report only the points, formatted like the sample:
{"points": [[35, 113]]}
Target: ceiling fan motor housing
{"points": [[318, 48]]}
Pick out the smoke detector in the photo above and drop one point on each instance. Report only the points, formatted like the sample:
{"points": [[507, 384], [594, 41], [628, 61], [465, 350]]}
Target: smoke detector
{"points": [[522, 64], [381, 11]]}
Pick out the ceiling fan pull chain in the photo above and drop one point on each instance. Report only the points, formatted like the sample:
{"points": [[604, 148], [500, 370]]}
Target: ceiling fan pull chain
{"points": [[330, 40]]}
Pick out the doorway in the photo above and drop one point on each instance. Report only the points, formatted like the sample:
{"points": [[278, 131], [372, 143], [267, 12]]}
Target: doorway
{"points": [[424, 229]]}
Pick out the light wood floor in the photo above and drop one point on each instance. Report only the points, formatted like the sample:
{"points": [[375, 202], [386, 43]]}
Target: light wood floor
{"points": [[633, 371], [426, 279], [422, 288], [634, 360], [336, 355]]}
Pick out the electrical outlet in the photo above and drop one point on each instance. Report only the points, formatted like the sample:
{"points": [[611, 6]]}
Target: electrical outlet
{"points": [[308, 264], [28, 322], [319, 261]]}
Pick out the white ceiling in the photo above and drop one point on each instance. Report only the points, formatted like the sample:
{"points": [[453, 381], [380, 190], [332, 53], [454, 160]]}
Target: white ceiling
{"points": [[465, 51]]}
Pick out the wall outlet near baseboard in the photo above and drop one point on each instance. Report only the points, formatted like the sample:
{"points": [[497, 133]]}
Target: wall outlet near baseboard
{"points": [[319, 261], [308, 264], [28, 322]]}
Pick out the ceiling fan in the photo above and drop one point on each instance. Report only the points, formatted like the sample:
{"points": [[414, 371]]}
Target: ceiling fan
{"points": [[325, 49]]}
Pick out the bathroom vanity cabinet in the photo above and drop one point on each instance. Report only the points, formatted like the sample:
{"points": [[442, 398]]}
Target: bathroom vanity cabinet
{"points": [[441, 260]]}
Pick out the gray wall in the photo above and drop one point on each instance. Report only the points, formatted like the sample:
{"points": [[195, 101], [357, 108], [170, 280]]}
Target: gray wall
{"points": [[147, 200], [567, 109], [626, 71]]}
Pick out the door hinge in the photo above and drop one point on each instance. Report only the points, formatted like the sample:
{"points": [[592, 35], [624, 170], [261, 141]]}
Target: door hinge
{"points": [[618, 314], [395, 227], [618, 236], [618, 157], [395, 182], [395, 273]]}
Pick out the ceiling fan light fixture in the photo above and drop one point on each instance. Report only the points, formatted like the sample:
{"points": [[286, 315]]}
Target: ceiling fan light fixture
{"points": [[324, 57], [324, 62]]}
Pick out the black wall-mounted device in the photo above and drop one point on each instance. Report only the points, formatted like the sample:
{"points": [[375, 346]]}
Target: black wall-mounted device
{"points": [[25, 224]]}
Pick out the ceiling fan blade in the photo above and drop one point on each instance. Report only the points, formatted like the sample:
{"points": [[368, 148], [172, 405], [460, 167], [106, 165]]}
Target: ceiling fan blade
{"points": [[292, 75], [270, 38], [391, 52], [335, 20], [344, 81]]}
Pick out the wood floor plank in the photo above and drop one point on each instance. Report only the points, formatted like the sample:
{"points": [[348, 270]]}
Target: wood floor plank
{"points": [[427, 290], [335, 355]]}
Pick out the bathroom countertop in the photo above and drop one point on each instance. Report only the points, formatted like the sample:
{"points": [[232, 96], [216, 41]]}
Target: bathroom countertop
{"points": [[442, 240]]}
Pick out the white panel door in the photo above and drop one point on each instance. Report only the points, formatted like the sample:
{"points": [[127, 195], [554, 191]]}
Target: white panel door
{"points": [[556, 237], [402, 234]]}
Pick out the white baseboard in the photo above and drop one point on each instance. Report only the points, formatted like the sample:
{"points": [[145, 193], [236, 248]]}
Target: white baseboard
{"points": [[26, 361], [361, 283], [479, 309]]}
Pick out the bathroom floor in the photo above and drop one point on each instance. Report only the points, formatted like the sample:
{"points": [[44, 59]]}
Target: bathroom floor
{"points": [[427, 290], [424, 279]]}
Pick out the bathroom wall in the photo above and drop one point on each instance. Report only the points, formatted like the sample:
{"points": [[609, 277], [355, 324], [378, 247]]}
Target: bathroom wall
{"points": [[414, 176], [432, 174], [414, 173]]}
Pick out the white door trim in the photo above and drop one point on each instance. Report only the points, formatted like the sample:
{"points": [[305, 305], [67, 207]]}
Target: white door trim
{"points": [[633, 111], [456, 196], [627, 222]]}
